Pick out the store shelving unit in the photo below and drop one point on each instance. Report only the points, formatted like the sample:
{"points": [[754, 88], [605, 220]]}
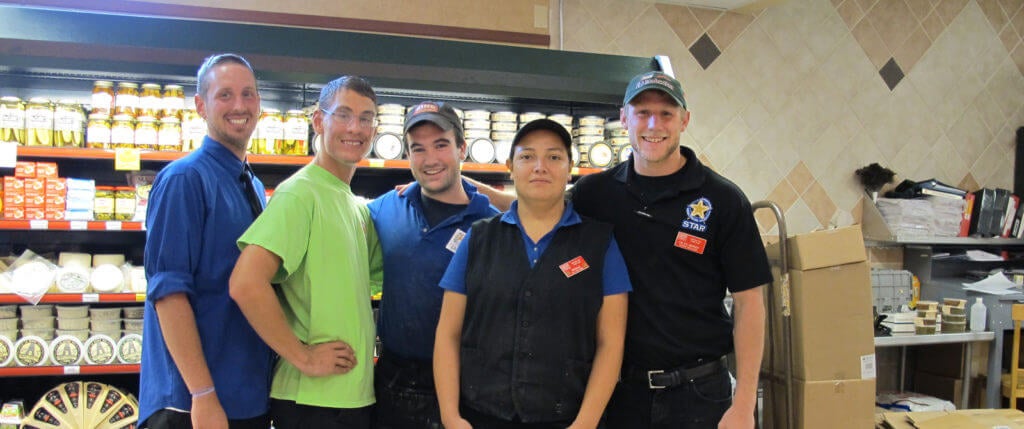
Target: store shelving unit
{"points": [[78, 298]]}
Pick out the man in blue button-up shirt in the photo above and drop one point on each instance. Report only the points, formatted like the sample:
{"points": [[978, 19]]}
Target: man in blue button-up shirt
{"points": [[203, 366], [419, 230]]}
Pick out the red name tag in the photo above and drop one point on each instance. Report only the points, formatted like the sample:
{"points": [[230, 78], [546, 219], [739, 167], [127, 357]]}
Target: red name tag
{"points": [[692, 243], [574, 266]]}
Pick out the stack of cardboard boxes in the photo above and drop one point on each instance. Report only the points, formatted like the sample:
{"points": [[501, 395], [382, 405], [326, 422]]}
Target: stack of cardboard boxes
{"points": [[833, 350]]}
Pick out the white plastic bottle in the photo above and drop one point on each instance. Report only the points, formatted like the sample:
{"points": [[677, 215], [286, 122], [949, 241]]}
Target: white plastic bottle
{"points": [[978, 311]]}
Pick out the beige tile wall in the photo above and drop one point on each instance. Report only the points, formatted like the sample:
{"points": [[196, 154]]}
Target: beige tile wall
{"points": [[796, 102]]}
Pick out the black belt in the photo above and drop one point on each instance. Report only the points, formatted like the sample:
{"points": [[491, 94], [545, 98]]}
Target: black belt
{"points": [[662, 378]]}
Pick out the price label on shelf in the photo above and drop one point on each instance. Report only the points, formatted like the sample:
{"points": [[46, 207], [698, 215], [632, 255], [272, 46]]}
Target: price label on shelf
{"points": [[72, 370], [575, 171], [140, 297], [8, 154], [376, 163], [79, 225], [113, 225], [38, 224], [91, 297], [126, 159]]}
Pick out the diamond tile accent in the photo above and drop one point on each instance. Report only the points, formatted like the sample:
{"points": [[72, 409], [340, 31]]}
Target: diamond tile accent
{"points": [[913, 49], [891, 73], [851, 12], [682, 21], [949, 9], [705, 51], [706, 17], [800, 178], [994, 12], [728, 28], [818, 201], [969, 184], [933, 26]]}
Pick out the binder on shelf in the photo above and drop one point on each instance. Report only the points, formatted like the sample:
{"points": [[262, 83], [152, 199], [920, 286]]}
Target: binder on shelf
{"points": [[1011, 209], [939, 189], [1016, 230], [965, 222], [985, 214]]}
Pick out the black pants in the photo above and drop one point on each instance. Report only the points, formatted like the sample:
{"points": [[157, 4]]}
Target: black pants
{"points": [[484, 421], [167, 419], [289, 415], [406, 398], [696, 404]]}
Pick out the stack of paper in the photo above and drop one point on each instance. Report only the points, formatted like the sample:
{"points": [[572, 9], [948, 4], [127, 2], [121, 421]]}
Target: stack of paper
{"points": [[907, 219]]}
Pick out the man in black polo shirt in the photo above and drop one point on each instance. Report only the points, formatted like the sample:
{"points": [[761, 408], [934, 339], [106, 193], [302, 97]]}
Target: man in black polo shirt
{"points": [[688, 235]]}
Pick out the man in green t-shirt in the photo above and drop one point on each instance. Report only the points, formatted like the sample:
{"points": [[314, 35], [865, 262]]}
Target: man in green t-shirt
{"points": [[319, 243]]}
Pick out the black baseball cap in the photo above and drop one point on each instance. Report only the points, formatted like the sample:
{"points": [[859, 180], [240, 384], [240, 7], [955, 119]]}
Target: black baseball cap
{"points": [[543, 124], [437, 113], [658, 81]]}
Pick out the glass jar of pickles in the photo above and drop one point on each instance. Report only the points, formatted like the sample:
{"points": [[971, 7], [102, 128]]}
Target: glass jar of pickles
{"points": [[104, 202], [97, 135], [269, 133], [102, 97], [126, 99], [39, 122], [146, 133], [193, 129], [68, 124], [12, 120], [169, 136], [173, 101], [296, 134], [124, 203], [122, 132], [150, 101]]}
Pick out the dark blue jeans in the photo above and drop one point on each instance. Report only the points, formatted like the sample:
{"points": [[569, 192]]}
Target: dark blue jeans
{"points": [[167, 419], [696, 404], [289, 415], [406, 398]]}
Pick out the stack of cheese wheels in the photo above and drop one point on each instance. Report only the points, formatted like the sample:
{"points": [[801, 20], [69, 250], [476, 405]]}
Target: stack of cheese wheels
{"points": [[84, 405]]}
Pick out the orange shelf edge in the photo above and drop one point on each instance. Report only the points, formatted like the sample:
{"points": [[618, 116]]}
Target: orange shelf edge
{"points": [[77, 298], [26, 371]]}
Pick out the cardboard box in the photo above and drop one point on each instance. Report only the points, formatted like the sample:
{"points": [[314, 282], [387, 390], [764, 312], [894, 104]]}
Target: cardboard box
{"points": [[46, 169], [13, 199], [56, 185], [54, 213], [35, 200], [35, 213], [24, 169], [13, 184], [35, 186], [14, 212], [824, 248], [832, 404], [55, 201], [831, 325], [939, 386]]}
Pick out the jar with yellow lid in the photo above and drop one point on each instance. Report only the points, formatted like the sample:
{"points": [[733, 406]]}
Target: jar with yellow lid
{"points": [[97, 135], [126, 99], [296, 134], [102, 97], [39, 122], [104, 202], [124, 203], [173, 101], [12, 120], [68, 124], [151, 103], [169, 135], [122, 132], [269, 135], [146, 133], [193, 129]]}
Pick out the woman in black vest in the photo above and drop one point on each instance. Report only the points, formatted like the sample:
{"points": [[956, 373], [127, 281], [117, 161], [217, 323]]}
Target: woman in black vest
{"points": [[534, 313]]}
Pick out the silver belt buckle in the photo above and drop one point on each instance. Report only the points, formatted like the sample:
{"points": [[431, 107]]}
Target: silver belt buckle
{"points": [[650, 382]]}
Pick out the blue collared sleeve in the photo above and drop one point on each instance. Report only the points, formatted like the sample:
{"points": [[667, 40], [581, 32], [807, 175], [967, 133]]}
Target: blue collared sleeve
{"points": [[454, 278], [615, 276], [174, 224]]}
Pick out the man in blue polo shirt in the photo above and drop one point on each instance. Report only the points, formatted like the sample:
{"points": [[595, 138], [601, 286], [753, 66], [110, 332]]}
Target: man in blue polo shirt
{"points": [[419, 230], [202, 364]]}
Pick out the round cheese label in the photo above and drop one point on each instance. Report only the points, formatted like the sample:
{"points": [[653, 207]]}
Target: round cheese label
{"points": [[129, 349], [601, 155], [481, 151], [388, 146], [72, 279], [66, 350], [6, 351], [31, 351], [624, 153], [100, 350]]}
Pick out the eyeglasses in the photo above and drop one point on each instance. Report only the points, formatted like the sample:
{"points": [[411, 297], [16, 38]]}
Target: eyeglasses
{"points": [[366, 121]]}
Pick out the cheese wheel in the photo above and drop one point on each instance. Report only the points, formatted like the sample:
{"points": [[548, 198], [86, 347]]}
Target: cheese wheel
{"points": [[31, 351], [66, 350], [137, 280], [129, 349], [33, 278], [73, 279], [107, 278], [6, 351], [100, 350]]}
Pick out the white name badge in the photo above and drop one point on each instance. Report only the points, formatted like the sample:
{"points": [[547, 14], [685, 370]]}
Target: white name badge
{"points": [[453, 243]]}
